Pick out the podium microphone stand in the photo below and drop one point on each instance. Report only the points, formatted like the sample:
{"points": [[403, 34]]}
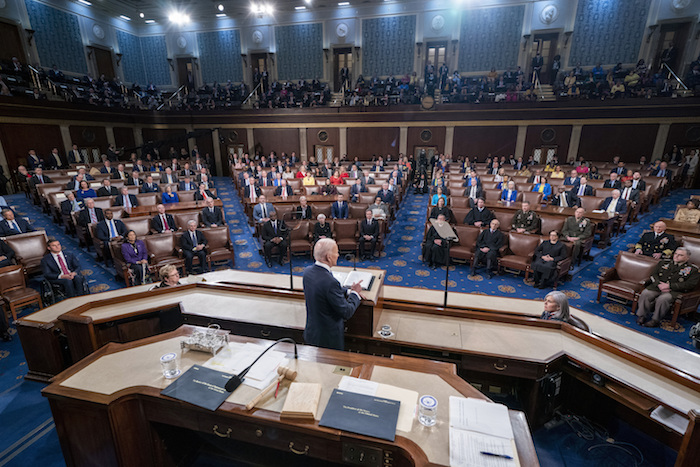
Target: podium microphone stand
{"points": [[447, 235], [288, 234]]}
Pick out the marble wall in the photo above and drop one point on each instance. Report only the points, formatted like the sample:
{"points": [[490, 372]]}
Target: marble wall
{"points": [[388, 45], [299, 51], [220, 56]]}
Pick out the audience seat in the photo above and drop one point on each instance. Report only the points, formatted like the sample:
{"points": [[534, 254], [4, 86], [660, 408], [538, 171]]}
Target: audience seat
{"points": [[345, 233], [464, 248], [268, 191], [533, 197], [344, 190], [29, 249], [104, 202], [505, 218], [115, 247], [366, 199], [163, 249], [140, 225], [591, 203], [459, 202], [518, 252], [147, 199], [182, 218], [549, 223], [186, 196], [14, 290], [458, 215], [324, 208], [219, 245], [626, 280], [357, 210], [300, 240]]}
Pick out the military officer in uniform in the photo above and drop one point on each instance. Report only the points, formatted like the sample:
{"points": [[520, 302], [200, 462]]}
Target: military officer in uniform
{"points": [[577, 229], [670, 278], [657, 243], [526, 221]]}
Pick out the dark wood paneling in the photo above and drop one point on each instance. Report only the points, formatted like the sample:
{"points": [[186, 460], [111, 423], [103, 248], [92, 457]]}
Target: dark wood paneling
{"points": [[164, 139], [437, 138], [205, 144], [678, 135], [480, 141], [89, 136], [11, 41], [276, 139], [18, 139], [124, 138], [533, 139], [367, 142], [630, 142], [312, 140]]}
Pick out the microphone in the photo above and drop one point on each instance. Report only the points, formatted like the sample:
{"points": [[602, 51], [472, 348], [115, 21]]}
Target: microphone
{"points": [[236, 380]]}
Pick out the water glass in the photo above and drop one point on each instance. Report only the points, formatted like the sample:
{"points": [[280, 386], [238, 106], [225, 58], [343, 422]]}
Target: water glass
{"points": [[168, 363], [427, 410]]}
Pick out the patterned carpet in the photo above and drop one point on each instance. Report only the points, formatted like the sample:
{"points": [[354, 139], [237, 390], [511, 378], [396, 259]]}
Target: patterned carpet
{"points": [[27, 436]]}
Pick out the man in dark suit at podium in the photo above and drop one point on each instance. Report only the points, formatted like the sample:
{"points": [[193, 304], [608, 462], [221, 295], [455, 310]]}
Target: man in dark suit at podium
{"points": [[328, 305]]}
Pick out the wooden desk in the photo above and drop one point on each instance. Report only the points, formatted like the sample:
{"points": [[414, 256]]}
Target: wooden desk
{"points": [[170, 208], [108, 409], [679, 229]]}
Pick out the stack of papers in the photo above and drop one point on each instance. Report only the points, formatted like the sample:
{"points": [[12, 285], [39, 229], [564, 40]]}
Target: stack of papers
{"points": [[478, 427], [236, 357]]}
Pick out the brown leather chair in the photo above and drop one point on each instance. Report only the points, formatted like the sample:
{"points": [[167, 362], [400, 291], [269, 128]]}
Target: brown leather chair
{"points": [[357, 211], [140, 225], [549, 223], [533, 197], [366, 199], [268, 191], [29, 249], [14, 290], [459, 202], [564, 265], [147, 199], [591, 203], [103, 202], [186, 196], [345, 233], [219, 245], [115, 247], [505, 218], [492, 195], [163, 249], [459, 214], [344, 190], [324, 208], [518, 252], [464, 249], [300, 240], [626, 280], [693, 246], [80, 231], [604, 192], [182, 218]]}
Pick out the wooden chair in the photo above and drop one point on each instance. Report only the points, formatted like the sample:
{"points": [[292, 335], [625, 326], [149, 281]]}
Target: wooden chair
{"points": [[14, 290], [219, 245], [163, 249], [465, 247], [300, 240], [29, 249], [626, 280], [182, 218], [140, 225], [115, 247], [345, 233], [518, 252]]}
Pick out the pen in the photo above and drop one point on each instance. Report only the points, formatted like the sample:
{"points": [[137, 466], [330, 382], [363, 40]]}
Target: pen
{"points": [[492, 454]]}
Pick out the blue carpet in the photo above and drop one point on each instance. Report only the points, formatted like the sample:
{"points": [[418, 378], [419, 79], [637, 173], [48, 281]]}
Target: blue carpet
{"points": [[27, 435]]}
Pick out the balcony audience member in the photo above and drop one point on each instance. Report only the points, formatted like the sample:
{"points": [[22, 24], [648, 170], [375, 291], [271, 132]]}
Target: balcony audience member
{"points": [[193, 243], [577, 229], [62, 268], [656, 243], [547, 256], [136, 258], [434, 247], [487, 245], [168, 196], [34, 161], [670, 278], [526, 220]]}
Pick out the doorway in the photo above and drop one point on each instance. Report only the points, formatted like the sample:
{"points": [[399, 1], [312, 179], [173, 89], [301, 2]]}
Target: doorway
{"points": [[323, 153], [11, 43], [675, 34], [258, 64], [430, 151], [546, 45], [103, 62], [185, 73], [342, 58], [435, 56]]}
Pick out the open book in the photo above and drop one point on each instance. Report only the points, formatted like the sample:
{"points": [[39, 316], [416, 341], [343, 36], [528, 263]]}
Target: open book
{"points": [[346, 279], [480, 434]]}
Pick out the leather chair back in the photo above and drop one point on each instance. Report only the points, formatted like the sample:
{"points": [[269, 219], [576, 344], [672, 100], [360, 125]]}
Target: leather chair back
{"points": [[374, 189], [344, 229], [163, 186], [295, 184], [459, 214], [140, 225], [505, 218], [268, 191], [634, 268], [459, 202], [147, 199], [366, 198], [29, 249], [357, 211], [182, 218], [300, 231], [549, 223], [117, 212], [217, 237], [591, 203], [133, 190], [467, 235], [322, 208], [492, 195], [186, 196], [12, 278], [535, 198], [161, 246], [522, 244], [693, 246], [103, 202], [344, 190]]}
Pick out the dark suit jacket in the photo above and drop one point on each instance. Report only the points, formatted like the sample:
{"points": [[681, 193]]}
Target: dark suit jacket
{"points": [[164, 179], [133, 182], [474, 215], [308, 213], [182, 186], [102, 231], [278, 191], [572, 181], [369, 229], [84, 216], [247, 191], [104, 170], [33, 163], [104, 191], [209, 218], [6, 230], [668, 174], [51, 270], [634, 194], [152, 189], [479, 191], [608, 184], [119, 201], [74, 158], [641, 185], [621, 205], [157, 224], [6, 251], [198, 196], [492, 241], [571, 199], [328, 306], [186, 240], [268, 232], [387, 197], [341, 212], [587, 190], [66, 207], [35, 180]]}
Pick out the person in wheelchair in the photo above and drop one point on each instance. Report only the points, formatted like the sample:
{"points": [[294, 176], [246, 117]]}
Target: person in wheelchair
{"points": [[136, 257], [62, 268]]}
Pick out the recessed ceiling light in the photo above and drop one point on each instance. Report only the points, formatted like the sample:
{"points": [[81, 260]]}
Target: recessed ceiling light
{"points": [[300, 7], [141, 15], [343, 3], [150, 21], [85, 2], [125, 18], [179, 18], [308, 2], [221, 15], [220, 7]]}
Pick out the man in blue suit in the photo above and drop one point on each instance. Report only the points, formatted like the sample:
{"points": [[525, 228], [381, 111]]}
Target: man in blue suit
{"points": [[572, 179], [328, 305], [12, 226], [339, 209], [61, 267]]}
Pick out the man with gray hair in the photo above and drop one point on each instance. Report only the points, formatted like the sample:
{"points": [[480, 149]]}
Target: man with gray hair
{"points": [[669, 279], [328, 305], [193, 242]]}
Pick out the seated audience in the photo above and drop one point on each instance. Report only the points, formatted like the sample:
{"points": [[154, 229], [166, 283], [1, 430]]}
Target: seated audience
{"points": [[441, 209], [85, 191], [12, 226], [434, 247], [437, 196], [192, 243], [274, 235], [480, 216], [168, 196], [544, 188], [690, 213], [525, 220], [577, 229], [628, 193], [203, 193], [380, 210], [162, 221], [149, 186], [303, 211], [125, 199], [544, 263], [565, 198], [614, 204], [284, 190], [107, 189], [340, 209], [188, 185], [322, 229], [656, 243], [487, 245], [369, 233], [509, 194], [62, 268], [70, 204], [90, 214], [262, 210], [136, 257], [212, 216], [169, 275], [670, 278], [109, 229]]}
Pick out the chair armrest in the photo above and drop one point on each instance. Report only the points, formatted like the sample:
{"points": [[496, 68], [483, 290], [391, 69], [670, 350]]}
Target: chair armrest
{"points": [[609, 275], [503, 250]]}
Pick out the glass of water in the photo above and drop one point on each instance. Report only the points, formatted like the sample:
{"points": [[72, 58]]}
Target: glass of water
{"points": [[427, 410], [168, 363]]}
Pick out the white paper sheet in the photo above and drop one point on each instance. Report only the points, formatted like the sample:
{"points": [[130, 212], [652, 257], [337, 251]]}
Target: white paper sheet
{"points": [[466, 449], [235, 358], [480, 416]]}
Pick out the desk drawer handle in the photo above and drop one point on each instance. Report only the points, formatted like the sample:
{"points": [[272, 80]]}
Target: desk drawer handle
{"points": [[221, 435], [500, 366], [265, 333], [297, 451]]}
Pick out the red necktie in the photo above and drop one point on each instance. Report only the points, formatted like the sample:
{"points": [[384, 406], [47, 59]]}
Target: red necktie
{"points": [[64, 268], [165, 222]]}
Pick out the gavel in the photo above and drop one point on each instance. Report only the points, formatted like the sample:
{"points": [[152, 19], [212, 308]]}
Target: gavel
{"points": [[284, 373]]}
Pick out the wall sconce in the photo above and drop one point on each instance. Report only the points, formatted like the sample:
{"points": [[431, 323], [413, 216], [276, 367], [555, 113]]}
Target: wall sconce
{"points": [[195, 61], [419, 45], [170, 62], [652, 28], [245, 62], [567, 36], [526, 37], [119, 58], [325, 52], [30, 35]]}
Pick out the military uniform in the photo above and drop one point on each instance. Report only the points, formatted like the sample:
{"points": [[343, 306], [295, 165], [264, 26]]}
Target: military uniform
{"points": [[682, 277], [582, 230], [664, 243], [529, 221]]}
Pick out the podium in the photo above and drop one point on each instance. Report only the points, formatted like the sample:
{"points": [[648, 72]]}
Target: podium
{"points": [[447, 235]]}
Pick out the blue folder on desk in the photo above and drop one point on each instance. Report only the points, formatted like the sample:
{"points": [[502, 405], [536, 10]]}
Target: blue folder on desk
{"points": [[361, 414], [200, 386]]}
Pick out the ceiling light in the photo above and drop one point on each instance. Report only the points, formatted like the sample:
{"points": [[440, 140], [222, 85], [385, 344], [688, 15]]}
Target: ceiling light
{"points": [[85, 2], [308, 2], [141, 15], [221, 15], [343, 3], [178, 17], [261, 8], [220, 7], [300, 7], [125, 18], [150, 21]]}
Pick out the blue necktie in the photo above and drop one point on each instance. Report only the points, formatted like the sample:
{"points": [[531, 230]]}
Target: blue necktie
{"points": [[112, 230]]}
